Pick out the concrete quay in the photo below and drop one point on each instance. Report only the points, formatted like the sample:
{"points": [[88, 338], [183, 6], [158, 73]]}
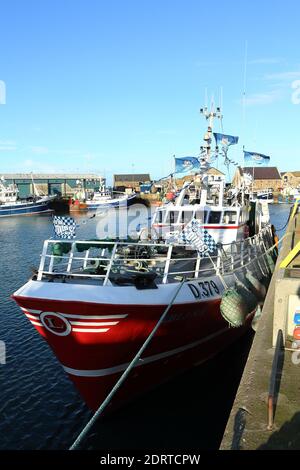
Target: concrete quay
{"points": [[266, 411]]}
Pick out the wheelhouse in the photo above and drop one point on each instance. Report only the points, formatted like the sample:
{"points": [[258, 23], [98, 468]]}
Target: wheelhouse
{"points": [[209, 216]]}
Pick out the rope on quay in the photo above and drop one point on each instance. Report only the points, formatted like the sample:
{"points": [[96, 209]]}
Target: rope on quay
{"points": [[125, 374]]}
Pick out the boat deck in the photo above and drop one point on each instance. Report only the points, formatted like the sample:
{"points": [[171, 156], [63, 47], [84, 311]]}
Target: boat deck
{"points": [[122, 263]]}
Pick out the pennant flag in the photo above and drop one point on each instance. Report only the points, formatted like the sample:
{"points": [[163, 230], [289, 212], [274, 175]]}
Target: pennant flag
{"points": [[255, 159], [193, 234], [225, 140], [64, 227], [184, 165]]}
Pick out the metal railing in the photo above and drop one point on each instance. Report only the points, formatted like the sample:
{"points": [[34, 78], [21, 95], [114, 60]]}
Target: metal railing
{"points": [[101, 259]]}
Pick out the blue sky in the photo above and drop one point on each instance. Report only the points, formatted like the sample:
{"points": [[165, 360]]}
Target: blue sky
{"points": [[116, 86]]}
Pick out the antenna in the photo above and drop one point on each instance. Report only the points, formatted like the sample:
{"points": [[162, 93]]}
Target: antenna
{"points": [[210, 115], [244, 96], [221, 107]]}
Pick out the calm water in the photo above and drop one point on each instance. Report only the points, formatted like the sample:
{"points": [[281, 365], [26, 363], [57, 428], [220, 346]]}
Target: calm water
{"points": [[40, 409]]}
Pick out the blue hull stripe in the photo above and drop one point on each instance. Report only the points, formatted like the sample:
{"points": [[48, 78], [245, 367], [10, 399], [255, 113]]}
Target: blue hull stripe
{"points": [[118, 203], [24, 209]]}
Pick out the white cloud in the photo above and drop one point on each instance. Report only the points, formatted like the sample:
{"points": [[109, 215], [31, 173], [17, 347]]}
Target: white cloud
{"points": [[7, 142], [7, 148], [7, 145], [39, 150], [259, 99], [283, 76]]}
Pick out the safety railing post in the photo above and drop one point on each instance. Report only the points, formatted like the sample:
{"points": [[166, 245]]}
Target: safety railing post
{"points": [[69, 266], [43, 260], [110, 263], [167, 265]]}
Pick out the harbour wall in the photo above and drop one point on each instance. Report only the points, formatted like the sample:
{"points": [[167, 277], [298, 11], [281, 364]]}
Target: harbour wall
{"points": [[266, 410]]}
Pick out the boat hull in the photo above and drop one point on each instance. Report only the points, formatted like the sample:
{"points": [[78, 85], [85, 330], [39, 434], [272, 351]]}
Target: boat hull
{"points": [[30, 208], [118, 202], [95, 342]]}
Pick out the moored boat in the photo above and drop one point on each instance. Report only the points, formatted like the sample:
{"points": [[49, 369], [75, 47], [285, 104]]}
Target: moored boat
{"points": [[96, 305], [106, 198], [96, 302], [11, 205]]}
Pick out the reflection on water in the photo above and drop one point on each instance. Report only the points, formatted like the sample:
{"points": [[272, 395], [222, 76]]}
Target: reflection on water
{"points": [[40, 409]]}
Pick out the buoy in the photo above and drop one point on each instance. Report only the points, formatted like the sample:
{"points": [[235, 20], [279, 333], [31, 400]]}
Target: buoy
{"points": [[60, 248], [296, 333], [170, 196], [236, 304]]}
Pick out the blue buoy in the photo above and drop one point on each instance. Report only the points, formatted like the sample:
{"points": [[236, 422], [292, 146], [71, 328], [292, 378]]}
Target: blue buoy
{"points": [[297, 318]]}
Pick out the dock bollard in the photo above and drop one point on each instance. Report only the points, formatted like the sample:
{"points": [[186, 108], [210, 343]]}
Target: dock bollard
{"points": [[272, 388]]}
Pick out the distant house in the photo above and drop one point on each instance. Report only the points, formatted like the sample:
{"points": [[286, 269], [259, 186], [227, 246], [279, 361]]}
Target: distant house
{"points": [[263, 177], [213, 175], [134, 181], [290, 179]]}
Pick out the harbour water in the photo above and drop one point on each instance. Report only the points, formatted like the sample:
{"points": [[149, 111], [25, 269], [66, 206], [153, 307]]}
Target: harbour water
{"points": [[40, 408]]}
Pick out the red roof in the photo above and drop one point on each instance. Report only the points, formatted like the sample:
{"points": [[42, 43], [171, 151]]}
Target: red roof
{"points": [[262, 172]]}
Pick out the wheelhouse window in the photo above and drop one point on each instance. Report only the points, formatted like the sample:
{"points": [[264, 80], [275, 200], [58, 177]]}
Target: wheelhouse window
{"points": [[214, 217], [159, 217], [172, 217], [229, 217], [186, 216], [201, 216]]}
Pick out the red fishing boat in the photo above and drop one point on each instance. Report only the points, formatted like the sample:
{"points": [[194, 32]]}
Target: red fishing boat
{"points": [[96, 302]]}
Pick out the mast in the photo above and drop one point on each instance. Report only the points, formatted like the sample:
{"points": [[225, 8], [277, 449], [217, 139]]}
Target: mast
{"points": [[35, 191], [210, 117], [205, 149]]}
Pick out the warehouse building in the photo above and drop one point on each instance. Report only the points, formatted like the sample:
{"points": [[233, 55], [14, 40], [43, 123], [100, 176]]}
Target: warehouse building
{"points": [[66, 185]]}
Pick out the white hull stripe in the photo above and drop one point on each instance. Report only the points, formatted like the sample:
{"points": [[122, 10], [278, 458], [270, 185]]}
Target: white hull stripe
{"points": [[92, 323], [91, 330], [36, 323], [146, 360], [31, 316], [37, 312], [92, 317], [80, 317]]}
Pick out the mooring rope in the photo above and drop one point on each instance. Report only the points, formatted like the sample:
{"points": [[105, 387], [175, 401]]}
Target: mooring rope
{"points": [[125, 374]]}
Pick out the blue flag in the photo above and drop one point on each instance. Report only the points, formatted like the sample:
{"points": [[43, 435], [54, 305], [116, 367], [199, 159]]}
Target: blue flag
{"points": [[64, 227], [225, 140], [255, 159], [184, 165]]}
